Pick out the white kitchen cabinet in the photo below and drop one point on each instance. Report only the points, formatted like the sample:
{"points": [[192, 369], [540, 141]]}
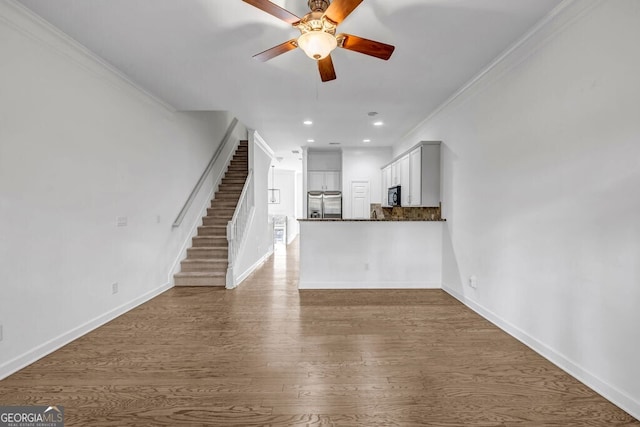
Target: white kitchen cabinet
{"points": [[405, 180], [395, 174], [430, 175], [315, 181], [324, 181], [418, 174], [386, 183], [415, 179], [332, 181], [324, 160]]}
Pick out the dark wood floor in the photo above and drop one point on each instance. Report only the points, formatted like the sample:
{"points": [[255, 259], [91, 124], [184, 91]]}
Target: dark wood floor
{"points": [[266, 354]]}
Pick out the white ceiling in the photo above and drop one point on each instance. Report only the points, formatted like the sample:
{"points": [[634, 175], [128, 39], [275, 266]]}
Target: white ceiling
{"points": [[197, 55]]}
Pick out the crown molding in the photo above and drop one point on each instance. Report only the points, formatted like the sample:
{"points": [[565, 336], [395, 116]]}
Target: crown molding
{"points": [[562, 17], [26, 22]]}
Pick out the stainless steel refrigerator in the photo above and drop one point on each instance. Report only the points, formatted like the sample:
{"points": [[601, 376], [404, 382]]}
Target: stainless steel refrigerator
{"points": [[324, 204]]}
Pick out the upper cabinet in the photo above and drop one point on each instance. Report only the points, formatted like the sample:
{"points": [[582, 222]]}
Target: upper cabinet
{"points": [[430, 175], [418, 174], [324, 160], [324, 181], [387, 182], [324, 170], [415, 178], [404, 166]]}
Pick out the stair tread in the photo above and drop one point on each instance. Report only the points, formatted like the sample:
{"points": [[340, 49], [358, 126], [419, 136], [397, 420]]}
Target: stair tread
{"points": [[201, 274], [210, 237], [207, 248]]}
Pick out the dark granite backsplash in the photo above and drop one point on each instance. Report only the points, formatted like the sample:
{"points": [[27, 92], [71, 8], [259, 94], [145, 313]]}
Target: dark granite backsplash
{"points": [[430, 213]]}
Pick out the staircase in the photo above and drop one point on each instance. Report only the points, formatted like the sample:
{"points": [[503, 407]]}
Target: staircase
{"points": [[206, 262]]}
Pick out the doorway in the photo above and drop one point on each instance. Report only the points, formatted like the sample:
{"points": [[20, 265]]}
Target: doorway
{"points": [[360, 200]]}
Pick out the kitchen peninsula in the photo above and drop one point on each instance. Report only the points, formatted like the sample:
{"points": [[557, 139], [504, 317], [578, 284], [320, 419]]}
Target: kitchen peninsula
{"points": [[391, 253], [399, 247]]}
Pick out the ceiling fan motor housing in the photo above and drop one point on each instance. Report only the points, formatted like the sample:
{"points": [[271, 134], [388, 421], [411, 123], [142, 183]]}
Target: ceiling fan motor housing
{"points": [[318, 5]]}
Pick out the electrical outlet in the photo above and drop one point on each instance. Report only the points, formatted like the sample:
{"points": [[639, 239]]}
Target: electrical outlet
{"points": [[366, 266], [121, 221], [114, 288], [473, 282]]}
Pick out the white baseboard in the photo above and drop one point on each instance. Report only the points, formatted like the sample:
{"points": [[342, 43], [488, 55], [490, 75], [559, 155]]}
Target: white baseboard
{"points": [[368, 285], [26, 359], [608, 391], [240, 278]]}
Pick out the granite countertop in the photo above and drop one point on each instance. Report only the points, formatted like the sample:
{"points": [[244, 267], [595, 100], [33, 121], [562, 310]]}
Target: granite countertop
{"points": [[370, 220], [395, 214]]}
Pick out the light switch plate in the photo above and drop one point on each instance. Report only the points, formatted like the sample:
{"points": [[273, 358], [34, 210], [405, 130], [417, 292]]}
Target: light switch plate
{"points": [[473, 282]]}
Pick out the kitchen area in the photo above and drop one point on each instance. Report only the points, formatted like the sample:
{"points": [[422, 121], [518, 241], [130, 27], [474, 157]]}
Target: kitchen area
{"points": [[373, 221]]}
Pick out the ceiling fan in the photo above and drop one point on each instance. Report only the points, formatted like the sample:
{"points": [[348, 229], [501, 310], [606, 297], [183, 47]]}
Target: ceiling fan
{"points": [[318, 36]]}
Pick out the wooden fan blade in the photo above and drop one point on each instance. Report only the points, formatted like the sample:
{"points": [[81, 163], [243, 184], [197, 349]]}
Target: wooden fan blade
{"points": [[276, 50], [274, 9], [340, 9], [327, 72], [368, 47]]}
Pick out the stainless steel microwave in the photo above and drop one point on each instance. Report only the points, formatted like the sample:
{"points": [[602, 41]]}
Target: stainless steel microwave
{"points": [[394, 196]]}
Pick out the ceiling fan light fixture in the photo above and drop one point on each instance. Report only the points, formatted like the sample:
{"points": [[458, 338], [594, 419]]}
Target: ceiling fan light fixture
{"points": [[317, 44], [318, 33]]}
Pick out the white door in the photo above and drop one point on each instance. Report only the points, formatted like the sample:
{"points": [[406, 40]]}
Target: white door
{"points": [[360, 203]]}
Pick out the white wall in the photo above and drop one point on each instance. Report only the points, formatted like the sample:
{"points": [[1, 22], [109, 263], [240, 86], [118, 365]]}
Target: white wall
{"points": [[285, 181], [541, 170], [79, 147], [363, 164], [258, 242]]}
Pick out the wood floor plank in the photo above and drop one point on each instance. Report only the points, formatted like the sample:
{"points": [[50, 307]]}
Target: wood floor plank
{"points": [[266, 354]]}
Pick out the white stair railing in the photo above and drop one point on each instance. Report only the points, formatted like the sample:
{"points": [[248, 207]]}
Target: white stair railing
{"points": [[236, 228]]}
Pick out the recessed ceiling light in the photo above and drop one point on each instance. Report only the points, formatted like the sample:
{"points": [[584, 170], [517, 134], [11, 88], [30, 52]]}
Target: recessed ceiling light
{"points": [[311, 140], [308, 122], [378, 123], [372, 113], [366, 140]]}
